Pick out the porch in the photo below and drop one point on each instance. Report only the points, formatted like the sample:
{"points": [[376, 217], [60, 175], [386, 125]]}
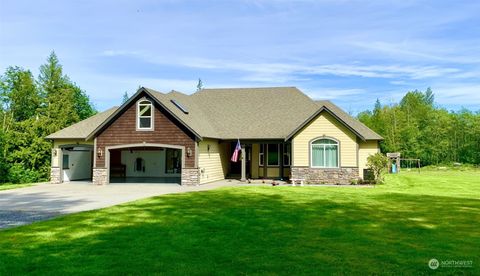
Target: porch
{"points": [[259, 159]]}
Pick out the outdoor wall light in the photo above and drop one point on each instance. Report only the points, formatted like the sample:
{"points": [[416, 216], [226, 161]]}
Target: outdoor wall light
{"points": [[208, 147], [189, 152], [99, 152], [54, 152]]}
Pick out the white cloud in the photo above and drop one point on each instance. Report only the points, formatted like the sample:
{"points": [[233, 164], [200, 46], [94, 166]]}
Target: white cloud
{"points": [[457, 94], [332, 93]]}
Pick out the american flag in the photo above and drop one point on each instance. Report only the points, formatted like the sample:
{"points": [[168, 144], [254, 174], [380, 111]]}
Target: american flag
{"points": [[235, 153]]}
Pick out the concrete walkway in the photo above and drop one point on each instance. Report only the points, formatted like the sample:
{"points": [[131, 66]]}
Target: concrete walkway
{"points": [[25, 205]]}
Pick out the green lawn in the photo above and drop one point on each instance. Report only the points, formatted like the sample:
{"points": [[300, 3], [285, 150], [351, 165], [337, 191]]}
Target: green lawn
{"points": [[9, 186], [396, 227]]}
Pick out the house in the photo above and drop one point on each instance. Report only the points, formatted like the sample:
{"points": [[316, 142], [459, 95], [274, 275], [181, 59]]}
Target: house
{"points": [[189, 139]]}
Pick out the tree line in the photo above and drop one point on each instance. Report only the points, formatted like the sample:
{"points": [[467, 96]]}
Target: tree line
{"points": [[31, 109], [418, 128]]}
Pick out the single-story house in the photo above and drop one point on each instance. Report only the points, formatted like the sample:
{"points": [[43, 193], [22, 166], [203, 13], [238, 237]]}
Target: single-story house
{"points": [[189, 139]]}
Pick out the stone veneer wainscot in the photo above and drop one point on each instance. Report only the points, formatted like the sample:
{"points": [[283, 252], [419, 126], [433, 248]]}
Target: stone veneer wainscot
{"points": [[342, 176]]}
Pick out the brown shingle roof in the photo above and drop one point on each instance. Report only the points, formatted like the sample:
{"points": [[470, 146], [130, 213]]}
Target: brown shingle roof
{"points": [[83, 129], [231, 113]]}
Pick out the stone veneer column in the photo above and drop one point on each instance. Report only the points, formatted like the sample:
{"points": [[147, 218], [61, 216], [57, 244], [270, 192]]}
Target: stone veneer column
{"points": [[100, 176], [55, 175], [190, 176], [342, 176]]}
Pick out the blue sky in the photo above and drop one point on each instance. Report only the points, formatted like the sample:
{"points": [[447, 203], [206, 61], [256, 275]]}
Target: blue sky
{"points": [[351, 52]]}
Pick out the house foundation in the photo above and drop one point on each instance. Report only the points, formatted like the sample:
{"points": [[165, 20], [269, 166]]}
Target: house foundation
{"points": [[100, 176], [341, 176], [190, 176], [55, 175]]}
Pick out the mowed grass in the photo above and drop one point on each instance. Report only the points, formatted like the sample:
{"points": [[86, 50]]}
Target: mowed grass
{"points": [[396, 228], [9, 186]]}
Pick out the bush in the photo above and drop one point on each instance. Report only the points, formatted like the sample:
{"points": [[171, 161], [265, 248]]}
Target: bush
{"points": [[378, 164], [18, 174]]}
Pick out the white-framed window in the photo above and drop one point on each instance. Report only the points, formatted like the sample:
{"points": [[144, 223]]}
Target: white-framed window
{"points": [[144, 115], [287, 151], [324, 153], [261, 155]]}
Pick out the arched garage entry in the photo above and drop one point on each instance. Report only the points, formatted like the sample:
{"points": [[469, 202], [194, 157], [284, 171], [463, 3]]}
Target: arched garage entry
{"points": [[145, 163], [76, 162]]}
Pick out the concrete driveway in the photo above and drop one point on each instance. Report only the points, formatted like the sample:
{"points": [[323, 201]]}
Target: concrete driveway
{"points": [[44, 201]]}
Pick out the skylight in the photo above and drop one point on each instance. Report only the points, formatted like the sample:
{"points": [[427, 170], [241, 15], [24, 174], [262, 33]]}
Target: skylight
{"points": [[180, 106]]}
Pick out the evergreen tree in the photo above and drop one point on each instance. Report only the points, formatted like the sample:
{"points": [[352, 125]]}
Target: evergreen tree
{"points": [[125, 97]]}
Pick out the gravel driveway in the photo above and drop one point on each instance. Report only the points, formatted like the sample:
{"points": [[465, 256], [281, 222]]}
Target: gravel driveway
{"points": [[44, 201]]}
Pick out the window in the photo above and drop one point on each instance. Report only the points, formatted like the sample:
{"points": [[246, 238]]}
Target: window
{"points": [[287, 149], [145, 115], [273, 154], [66, 161], [173, 160], [324, 153], [261, 155]]}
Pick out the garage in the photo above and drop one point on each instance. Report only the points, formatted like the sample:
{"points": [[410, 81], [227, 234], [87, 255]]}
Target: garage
{"points": [[76, 162], [145, 165]]}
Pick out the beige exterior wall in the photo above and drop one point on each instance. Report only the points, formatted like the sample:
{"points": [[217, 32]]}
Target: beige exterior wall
{"points": [[213, 162], [254, 163], [326, 125], [365, 149], [57, 151]]}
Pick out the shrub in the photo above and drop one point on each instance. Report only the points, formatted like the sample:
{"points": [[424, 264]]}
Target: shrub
{"points": [[18, 174], [378, 164]]}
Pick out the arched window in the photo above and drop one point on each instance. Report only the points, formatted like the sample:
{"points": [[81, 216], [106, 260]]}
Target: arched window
{"points": [[144, 115], [324, 153]]}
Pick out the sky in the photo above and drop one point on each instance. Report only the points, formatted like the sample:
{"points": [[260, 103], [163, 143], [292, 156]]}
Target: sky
{"points": [[350, 52]]}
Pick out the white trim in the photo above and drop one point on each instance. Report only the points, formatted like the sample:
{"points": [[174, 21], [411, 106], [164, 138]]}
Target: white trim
{"points": [[324, 159], [137, 115], [261, 152], [94, 154]]}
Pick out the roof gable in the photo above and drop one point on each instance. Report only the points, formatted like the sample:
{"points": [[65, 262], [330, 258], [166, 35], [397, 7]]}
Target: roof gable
{"points": [[132, 100]]}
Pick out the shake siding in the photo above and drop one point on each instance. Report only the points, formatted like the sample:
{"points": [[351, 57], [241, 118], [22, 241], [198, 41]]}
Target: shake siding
{"points": [[212, 163], [326, 125], [366, 149], [123, 131]]}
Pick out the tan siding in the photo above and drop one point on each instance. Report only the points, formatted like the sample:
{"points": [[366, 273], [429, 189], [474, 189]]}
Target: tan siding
{"points": [[326, 125], [272, 172], [254, 168], [366, 149], [212, 162]]}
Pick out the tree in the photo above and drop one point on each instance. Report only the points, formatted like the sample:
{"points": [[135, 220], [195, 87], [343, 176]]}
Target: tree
{"points": [[125, 97], [81, 102], [19, 94], [51, 76], [199, 85], [65, 103]]}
